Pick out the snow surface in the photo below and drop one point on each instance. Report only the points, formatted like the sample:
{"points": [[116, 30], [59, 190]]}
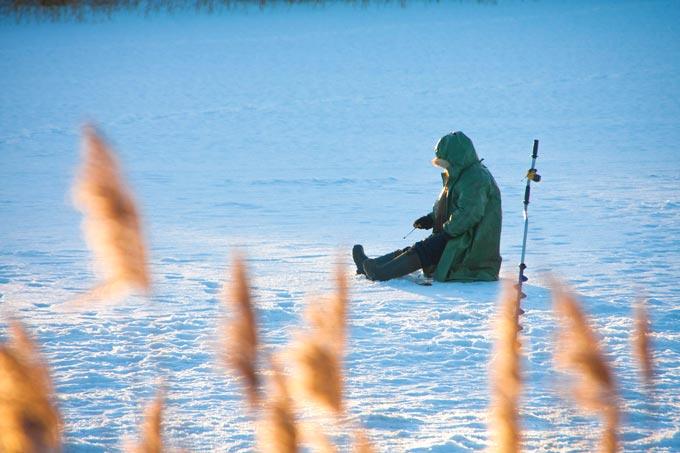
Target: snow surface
{"points": [[292, 133]]}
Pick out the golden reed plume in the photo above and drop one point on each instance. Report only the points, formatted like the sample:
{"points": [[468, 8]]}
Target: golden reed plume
{"points": [[642, 347], [29, 419], [241, 331], [317, 374], [340, 306], [505, 376], [278, 432], [578, 351], [361, 443], [315, 438], [318, 355], [112, 225], [327, 317], [151, 438]]}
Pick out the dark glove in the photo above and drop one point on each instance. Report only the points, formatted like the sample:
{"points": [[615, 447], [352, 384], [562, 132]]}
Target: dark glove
{"points": [[424, 223]]}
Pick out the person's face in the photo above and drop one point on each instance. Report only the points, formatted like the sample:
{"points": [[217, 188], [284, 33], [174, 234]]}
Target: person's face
{"points": [[441, 163]]}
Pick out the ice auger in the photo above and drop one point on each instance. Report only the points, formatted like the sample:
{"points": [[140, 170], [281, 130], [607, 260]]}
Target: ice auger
{"points": [[532, 175]]}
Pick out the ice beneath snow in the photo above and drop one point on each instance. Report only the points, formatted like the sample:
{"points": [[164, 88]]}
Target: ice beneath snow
{"points": [[292, 133]]}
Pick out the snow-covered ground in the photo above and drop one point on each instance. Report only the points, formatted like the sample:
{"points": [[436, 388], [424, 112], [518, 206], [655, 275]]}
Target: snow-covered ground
{"points": [[292, 133]]}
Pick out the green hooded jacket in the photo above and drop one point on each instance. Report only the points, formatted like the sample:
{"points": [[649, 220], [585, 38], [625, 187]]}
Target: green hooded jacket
{"points": [[473, 214]]}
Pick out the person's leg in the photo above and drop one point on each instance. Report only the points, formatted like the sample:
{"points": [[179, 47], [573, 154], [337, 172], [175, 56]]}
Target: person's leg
{"points": [[430, 251], [398, 266], [360, 257], [423, 254]]}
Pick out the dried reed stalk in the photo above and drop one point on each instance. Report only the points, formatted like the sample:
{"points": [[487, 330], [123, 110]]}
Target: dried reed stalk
{"points": [[151, 439], [318, 354], [579, 352], [327, 317], [361, 443], [29, 419], [642, 347], [241, 332], [278, 433], [339, 308], [317, 374], [316, 439], [506, 379], [112, 225]]}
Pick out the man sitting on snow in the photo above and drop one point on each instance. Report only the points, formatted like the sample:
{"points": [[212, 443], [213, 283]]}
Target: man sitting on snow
{"points": [[466, 223]]}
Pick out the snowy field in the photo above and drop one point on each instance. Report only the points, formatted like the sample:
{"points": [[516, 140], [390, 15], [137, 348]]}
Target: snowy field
{"points": [[293, 133]]}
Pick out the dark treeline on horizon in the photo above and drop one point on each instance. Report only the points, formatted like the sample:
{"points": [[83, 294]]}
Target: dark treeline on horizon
{"points": [[83, 9]]}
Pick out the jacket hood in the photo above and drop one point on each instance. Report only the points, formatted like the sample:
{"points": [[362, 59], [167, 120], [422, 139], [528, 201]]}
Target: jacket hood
{"points": [[458, 150]]}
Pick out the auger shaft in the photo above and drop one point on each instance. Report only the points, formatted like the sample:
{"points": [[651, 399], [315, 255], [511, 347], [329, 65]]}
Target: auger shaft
{"points": [[532, 175]]}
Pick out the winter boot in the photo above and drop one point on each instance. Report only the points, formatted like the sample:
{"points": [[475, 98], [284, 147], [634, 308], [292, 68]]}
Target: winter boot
{"points": [[398, 266], [360, 257]]}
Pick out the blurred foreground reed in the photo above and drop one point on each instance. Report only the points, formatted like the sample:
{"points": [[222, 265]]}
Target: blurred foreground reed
{"points": [[505, 377], [112, 225], [579, 353], [29, 418]]}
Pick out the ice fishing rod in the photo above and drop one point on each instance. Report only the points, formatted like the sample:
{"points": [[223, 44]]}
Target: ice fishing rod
{"points": [[409, 233], [532, 175]]}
